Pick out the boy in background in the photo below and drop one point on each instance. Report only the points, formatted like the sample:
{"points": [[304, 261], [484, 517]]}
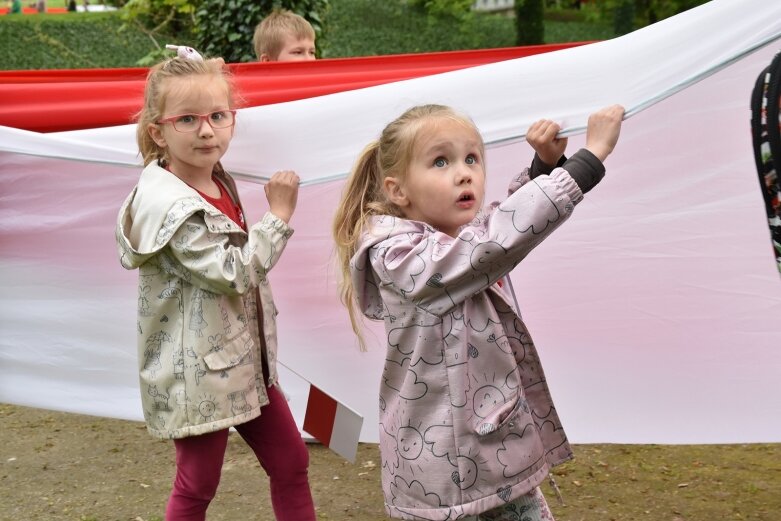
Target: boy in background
{"points": [[284, 36]]}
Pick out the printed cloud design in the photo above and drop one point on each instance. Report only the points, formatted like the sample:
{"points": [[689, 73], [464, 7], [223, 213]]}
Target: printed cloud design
{"points": [[465, 469], [552, 433], [409, 387], [527, 217], [435, 435], [423, 499], [404, 339], [515, 455]]}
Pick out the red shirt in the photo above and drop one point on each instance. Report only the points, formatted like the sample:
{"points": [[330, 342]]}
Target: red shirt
{"points": [[226, 205]]}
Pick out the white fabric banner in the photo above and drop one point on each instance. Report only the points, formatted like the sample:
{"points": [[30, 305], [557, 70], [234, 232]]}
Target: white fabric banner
{"points": [[673, 315]]}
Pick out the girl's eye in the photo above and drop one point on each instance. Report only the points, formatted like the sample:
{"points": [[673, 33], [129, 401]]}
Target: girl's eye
{"points": [[217, 116], [187, 118], [471, 159], [440, 162]]}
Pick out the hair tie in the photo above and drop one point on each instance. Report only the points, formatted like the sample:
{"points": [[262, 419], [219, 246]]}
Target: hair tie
{"points": [[186, 53]]}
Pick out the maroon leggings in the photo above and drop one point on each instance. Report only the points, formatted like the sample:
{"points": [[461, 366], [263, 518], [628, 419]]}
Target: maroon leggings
{"points": [[276, 442]]}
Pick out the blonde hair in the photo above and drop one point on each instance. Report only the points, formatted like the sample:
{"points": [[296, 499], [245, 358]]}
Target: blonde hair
{"points": [[270, 33], [157, 90], [364, 196]]}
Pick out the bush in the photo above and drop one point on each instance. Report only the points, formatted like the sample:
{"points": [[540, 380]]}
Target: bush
{"points": [[69, 41], [529, 21], [355, 28], [370, 28]]}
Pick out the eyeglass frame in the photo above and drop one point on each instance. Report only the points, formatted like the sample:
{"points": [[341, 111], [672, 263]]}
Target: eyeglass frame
{"points": [[201, 118]]}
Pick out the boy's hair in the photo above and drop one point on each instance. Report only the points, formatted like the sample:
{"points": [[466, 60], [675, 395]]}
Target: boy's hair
{"points": [[157, 90], [363, 194], [271, 31]]}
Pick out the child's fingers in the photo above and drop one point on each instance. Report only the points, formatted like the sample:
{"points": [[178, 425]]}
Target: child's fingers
{"points": [[604, 127], [543, 130], [612, 113], [285, 177]]}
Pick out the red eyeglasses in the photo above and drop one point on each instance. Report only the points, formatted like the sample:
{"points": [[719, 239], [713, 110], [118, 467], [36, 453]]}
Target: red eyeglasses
{"points": [[192, 122]]}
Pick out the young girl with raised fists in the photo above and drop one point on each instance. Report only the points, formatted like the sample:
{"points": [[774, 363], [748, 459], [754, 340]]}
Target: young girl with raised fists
{"points": [[206, 318], [468, 429]]}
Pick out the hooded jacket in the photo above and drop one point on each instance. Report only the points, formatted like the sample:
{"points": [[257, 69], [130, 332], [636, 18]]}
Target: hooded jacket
{"points": [[467, 422], [206, 315]]}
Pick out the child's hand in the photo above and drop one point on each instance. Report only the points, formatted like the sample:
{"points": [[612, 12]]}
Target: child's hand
{"points": [[282, 194], [542, 138], [603, 129]]}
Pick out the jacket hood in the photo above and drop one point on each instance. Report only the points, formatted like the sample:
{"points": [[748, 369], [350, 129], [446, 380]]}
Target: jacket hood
{"points": [[154, 210], [380, 228]]}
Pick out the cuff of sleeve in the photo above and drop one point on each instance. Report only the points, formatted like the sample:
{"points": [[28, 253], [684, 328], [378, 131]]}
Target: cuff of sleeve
{"points": [[568, 184], [539, 168], [585, 168], [273, 223]]}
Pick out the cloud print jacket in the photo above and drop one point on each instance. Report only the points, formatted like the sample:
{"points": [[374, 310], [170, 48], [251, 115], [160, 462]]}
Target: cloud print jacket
{"points": [[467, 422]]}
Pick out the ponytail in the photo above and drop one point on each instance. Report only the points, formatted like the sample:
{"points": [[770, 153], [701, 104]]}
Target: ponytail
{"points": [[363, 196]]}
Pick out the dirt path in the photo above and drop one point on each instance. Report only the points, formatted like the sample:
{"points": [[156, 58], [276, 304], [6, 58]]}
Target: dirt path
{"points": [[58, 466]]}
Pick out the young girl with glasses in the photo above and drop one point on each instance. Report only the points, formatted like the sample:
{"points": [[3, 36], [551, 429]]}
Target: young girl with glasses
{"points": [[468, 429], [207, 343]]}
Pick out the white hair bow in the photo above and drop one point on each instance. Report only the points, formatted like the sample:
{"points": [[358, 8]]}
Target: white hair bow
{"points": [[184, 52]]}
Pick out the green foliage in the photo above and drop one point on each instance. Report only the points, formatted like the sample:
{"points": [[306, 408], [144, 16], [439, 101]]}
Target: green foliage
{"points": [[225, 28], [355, 28], [158, 19], [652, 11], [371, 28], [69, 41], [624, 17], [529, 22], [454, 9], [560, 32], [158, 15], [643, 12]]}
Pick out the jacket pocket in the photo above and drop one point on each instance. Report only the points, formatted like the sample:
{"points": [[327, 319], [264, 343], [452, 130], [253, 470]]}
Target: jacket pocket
{"points": [[502, 415], [233, 352]]}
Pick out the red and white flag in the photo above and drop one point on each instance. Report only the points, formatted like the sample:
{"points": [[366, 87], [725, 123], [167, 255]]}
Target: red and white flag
{"points": [[332, 423]]}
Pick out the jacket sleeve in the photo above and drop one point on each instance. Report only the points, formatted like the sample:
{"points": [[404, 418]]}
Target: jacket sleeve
{"points": [[208, 260], [584, 167], [437, 272]]}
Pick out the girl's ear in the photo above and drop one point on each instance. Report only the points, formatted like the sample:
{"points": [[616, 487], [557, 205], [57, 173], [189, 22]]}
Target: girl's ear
{"points": [[395, 191], [157, 136]]}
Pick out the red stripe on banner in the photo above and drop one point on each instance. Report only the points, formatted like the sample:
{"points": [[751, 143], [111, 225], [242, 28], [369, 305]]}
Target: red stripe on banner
{"points": [[58, 100], [320, 415]]}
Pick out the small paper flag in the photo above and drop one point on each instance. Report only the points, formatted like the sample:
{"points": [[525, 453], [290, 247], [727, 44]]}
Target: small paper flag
{"points": [[332, 423]]}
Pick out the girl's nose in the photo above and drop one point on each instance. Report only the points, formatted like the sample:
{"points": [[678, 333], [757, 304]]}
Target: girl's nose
{"points": [[205, 129], [463, 175]]}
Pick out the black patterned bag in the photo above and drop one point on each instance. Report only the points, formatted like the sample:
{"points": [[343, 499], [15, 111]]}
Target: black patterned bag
{"points": [[766, 134]]}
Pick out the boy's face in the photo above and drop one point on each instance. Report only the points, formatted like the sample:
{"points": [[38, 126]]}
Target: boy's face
{"points": [[294, 50]]}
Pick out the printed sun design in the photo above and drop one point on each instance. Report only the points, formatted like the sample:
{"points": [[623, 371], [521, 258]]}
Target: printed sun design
{"points": [[206, 406]]}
